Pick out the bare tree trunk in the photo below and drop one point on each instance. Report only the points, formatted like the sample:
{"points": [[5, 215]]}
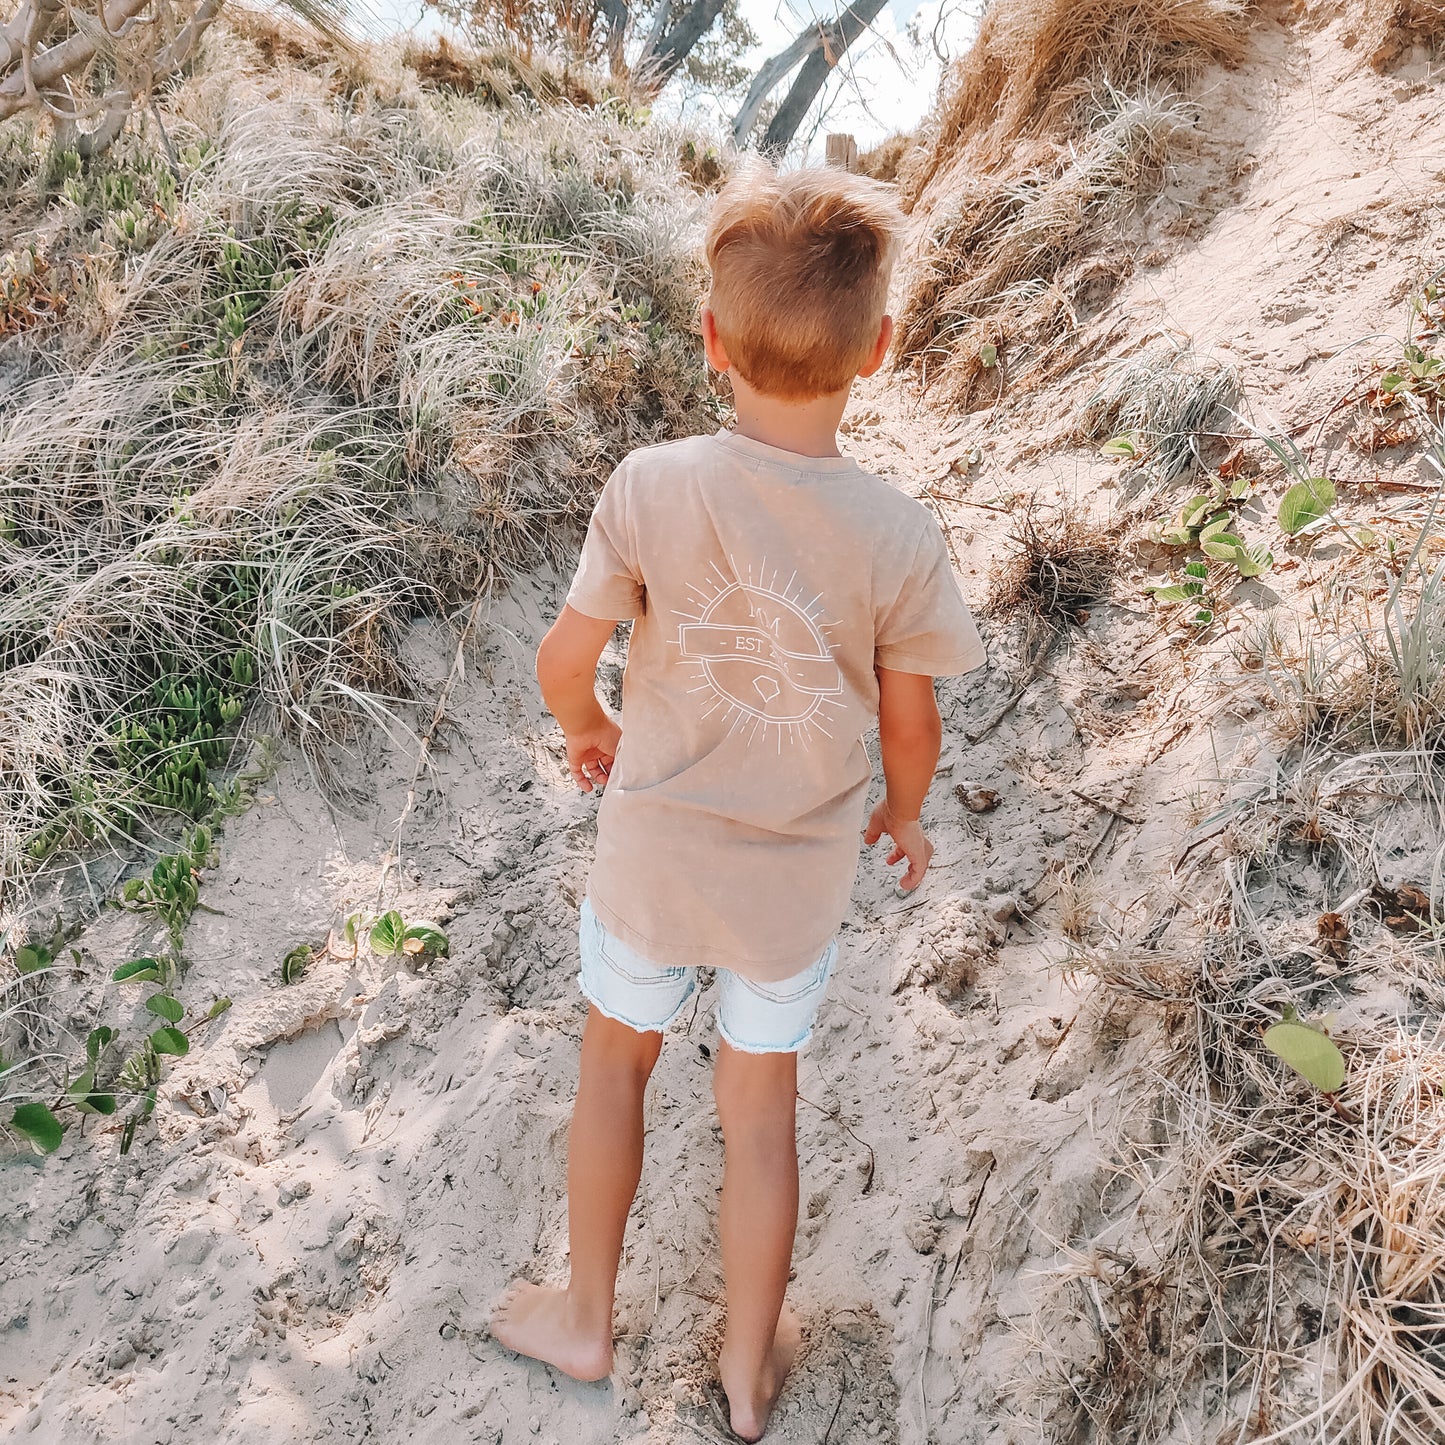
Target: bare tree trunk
{"points": [[827, 44], [617, 14], [768, 76], [666, 50]]}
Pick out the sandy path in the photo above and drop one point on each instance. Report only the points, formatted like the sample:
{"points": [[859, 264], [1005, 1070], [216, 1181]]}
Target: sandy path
{"points": [[308, 1248], [314, 1259]]}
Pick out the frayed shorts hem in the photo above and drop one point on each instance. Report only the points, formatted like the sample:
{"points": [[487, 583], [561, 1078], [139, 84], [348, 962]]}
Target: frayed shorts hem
{"points": [[752, 1017], [619, 1018]]}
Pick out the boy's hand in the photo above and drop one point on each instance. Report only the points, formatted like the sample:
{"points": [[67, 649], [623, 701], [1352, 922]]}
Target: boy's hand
{"points": [[591, 754], [909, 841]]}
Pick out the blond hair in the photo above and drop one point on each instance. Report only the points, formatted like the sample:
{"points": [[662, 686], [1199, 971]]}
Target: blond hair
{"points": [[800, 266]]}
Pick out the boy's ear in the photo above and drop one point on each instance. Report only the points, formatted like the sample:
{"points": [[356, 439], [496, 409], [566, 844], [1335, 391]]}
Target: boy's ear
{"points": [[712, 346], [880, 348]]}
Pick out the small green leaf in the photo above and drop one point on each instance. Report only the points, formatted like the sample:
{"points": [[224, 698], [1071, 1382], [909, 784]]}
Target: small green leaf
{"points": [[1305, 504], [166, 1007], [1308, 1052], [97, 1104], [1196, 569], [39, 1125], [170, 1041], [296, 962], [1223, 547], [387, 933], [217, 1009], [1126, 444], [139, 970], [1255, 561], [1203, 617], [988, 355], [1194, 511], [425, 937], [1178, 592], [32, 958], [97, 1041], [1177, 537]]}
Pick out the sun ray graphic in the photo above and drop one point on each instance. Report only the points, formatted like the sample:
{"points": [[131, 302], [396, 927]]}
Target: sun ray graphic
{"points": [[760, 652]]}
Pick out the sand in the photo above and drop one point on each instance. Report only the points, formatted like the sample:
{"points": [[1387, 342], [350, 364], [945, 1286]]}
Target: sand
{"points": [[347, 1170]]}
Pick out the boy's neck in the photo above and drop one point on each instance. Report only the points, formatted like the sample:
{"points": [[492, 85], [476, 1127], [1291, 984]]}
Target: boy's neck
{"points": [[809, 428]]}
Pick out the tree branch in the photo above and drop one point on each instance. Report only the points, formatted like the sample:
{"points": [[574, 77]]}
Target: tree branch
{"points": [[666, 54], [815, 72], [770, 74], [48, 67]]}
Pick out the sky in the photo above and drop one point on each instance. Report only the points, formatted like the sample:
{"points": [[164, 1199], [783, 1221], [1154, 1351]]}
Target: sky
{"points": [[886, 83]]}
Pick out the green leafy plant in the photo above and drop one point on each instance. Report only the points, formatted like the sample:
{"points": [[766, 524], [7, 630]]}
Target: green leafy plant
{"points": [[1193, 588], [99, 1087], [297, 963], [1306, 504], [1419, 373], [141, 1074], [1129, 445], [33, 958], [1308, 1049], [173, 888], [391, 935], [37, 1122]]}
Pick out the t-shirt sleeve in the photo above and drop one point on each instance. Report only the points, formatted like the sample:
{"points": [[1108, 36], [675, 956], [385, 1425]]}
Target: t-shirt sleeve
{"points": [[928, 628], [608, 584]]}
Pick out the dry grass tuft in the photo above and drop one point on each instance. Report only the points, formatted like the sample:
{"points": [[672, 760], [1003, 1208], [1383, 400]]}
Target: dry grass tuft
{"points": [[1014, 260], [1291, 1282], [1170, 398], [1034, 64], [500, 77], [1384, 31], [1052, 131], [361, 361], [884, 161], [1058, 563]]}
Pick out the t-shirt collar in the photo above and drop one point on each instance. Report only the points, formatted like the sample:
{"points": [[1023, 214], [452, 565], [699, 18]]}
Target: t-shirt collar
{"points": [[793, 461]]}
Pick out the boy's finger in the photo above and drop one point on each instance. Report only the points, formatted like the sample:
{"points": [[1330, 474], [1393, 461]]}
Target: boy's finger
{"points": [[896, 856], [872, 833]]}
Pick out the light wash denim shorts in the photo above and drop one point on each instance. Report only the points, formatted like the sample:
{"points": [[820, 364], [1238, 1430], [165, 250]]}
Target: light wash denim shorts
{"points": [[756, 1018]]}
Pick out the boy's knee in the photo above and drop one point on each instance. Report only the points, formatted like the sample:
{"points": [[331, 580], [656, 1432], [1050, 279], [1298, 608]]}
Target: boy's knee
{"points": [[755, 1091], [619, 1046]]}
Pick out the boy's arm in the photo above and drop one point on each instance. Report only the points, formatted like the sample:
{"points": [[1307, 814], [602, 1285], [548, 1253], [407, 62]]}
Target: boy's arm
{"points": [[567, 673], [910, 733]]}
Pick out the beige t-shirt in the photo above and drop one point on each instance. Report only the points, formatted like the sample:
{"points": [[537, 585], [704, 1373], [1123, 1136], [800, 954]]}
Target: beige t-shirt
{"points": [[765, 587]]}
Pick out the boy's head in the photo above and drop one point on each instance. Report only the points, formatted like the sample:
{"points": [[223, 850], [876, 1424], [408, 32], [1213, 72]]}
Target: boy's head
{"points": [[800, 267]]}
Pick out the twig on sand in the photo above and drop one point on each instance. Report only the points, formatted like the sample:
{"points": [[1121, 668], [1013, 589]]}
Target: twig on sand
{"points": [[978, 734], [833, 1418], [458, 668], [938, 1268], [836, 1116]]}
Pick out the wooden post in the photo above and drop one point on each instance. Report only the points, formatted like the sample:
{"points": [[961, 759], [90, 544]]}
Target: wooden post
{"points": [[841, 151]]}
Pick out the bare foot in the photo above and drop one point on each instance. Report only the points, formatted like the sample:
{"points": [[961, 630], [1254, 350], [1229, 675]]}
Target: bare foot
{"points": [[540, 1323], [751, 1400]]}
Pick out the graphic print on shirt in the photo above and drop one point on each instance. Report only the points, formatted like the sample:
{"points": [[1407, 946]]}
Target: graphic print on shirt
{"points": [[760, 651]]}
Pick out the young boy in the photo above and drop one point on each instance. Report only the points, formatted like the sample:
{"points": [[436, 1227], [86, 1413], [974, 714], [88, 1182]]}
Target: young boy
{"points": [[781, 599]]}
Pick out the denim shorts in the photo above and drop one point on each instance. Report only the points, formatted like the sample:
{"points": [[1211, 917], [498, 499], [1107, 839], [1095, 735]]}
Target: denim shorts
{"points": [[755, 1018]]}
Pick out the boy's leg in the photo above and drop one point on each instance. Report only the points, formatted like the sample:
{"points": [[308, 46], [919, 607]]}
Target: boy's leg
{"points": [[572, 1328], [756, 1099]]}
